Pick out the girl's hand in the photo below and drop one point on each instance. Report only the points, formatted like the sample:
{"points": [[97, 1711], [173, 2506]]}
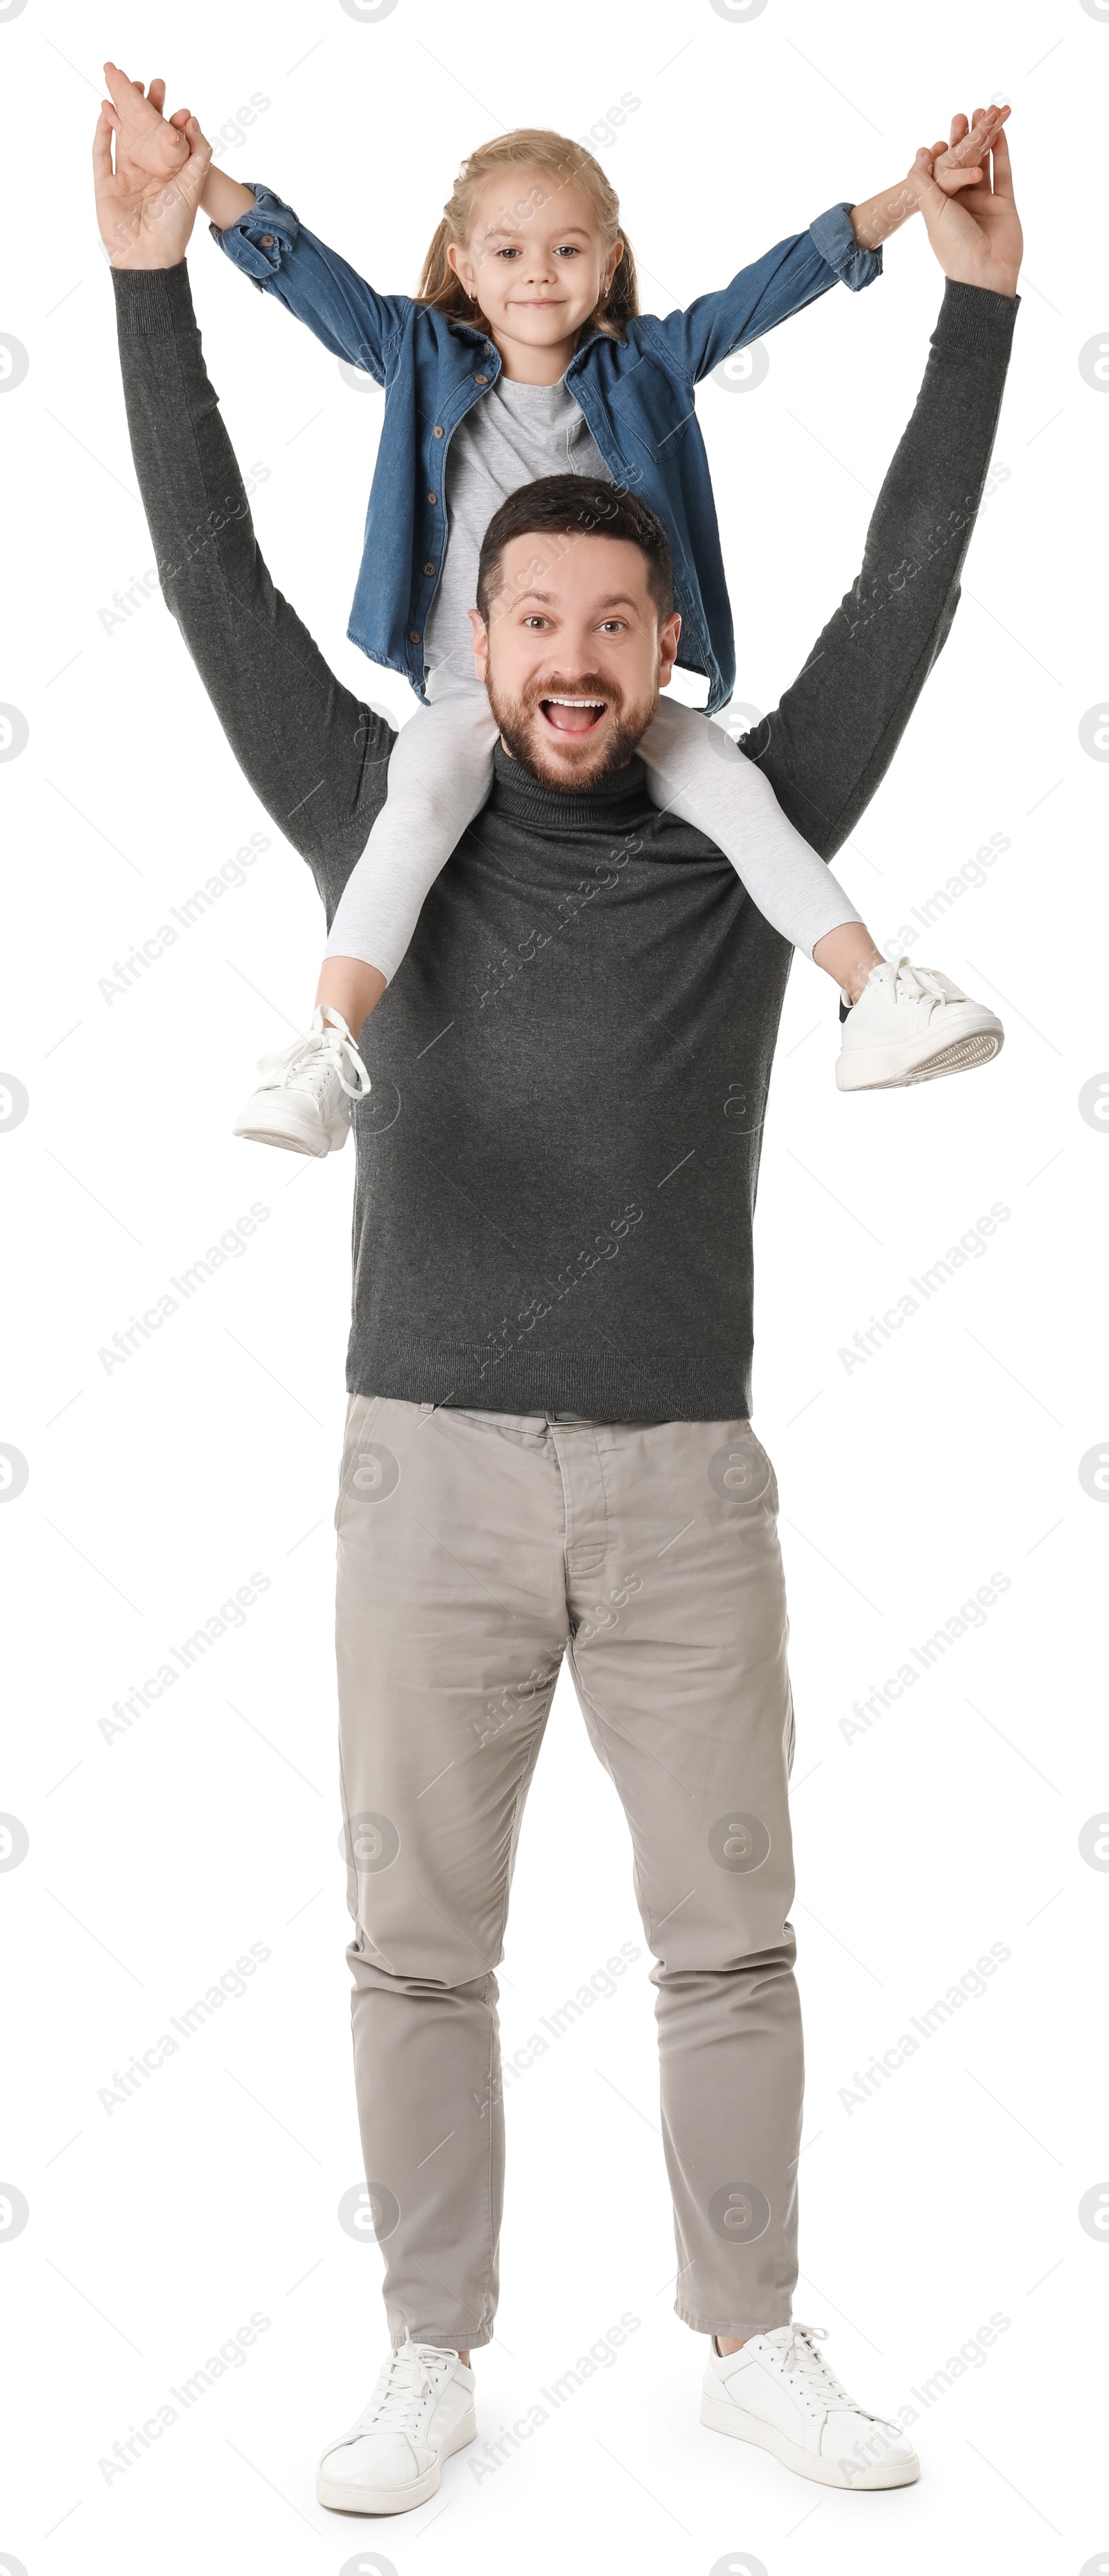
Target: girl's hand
{"points": [[976, 237], [146, 206], [148, 145], [959, 163]]}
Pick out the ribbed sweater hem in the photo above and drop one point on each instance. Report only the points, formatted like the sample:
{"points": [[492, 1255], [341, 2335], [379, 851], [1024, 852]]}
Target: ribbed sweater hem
{"points": [[604, 1387]]}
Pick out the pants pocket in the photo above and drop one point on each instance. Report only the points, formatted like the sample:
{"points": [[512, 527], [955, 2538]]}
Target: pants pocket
{"points": [[362, 1412], [741, 1473]]}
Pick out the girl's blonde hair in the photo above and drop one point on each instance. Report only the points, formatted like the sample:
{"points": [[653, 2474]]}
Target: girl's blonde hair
{"points": [[529, 148]]}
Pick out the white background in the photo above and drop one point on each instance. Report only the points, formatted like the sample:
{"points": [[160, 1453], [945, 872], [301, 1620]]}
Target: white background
{"points": [[156, 1858]]}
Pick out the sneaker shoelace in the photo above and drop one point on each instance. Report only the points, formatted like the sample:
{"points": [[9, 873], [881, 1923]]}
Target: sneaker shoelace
{"points": [[404, 2383], [310, 1061], [915, 984], [801, 2360]]}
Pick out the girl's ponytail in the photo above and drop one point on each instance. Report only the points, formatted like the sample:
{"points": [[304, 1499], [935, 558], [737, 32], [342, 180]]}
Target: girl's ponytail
{"points": [[529, 148]]}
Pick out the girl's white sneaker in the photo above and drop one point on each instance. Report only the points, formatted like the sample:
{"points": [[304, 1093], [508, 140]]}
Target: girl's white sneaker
{"points": [[304, 1101], [778, 2391], [910, 1024], [422, 2410]]}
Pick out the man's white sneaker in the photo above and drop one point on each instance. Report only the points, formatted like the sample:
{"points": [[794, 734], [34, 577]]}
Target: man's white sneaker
{"points": [[778, 2391], [910, 1024], [421, 2410], [304, 1101]]}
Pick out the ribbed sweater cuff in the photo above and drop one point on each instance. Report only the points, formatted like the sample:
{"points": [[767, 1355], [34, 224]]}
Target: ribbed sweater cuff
{"points": [[154, 302], [974, 322]]}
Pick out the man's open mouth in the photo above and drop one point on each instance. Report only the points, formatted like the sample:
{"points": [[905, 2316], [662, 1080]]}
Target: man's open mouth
{"points": [[573, 715]]}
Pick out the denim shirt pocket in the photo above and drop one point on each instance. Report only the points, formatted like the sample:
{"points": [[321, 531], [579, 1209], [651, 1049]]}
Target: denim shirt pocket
{"points": [[653, 407]]}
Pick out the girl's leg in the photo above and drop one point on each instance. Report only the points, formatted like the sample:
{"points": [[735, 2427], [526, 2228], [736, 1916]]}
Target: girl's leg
{"points": [[905, 1025], [439, 772], [696, 771], [439, 777]]}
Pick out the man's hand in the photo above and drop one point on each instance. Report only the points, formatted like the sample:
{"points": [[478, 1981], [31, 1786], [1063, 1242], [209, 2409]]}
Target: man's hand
{"points": [[146, 207], [956, 165], [977, 238]]}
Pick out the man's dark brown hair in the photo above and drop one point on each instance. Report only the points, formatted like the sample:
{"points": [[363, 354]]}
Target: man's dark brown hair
{"points": [[573, 505]]}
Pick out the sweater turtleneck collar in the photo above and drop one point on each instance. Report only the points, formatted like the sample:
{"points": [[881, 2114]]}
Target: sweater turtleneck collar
{"points": [[605, 804]]}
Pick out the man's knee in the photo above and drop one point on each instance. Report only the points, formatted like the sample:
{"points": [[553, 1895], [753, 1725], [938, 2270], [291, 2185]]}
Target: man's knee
{"points": [[399, 1955]]}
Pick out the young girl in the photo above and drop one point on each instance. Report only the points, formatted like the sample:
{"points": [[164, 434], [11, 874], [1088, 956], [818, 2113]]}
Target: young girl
{"points": [[524, 355]]}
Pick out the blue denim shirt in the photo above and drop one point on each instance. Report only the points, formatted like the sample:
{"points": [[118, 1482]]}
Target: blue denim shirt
{"points": [[636, 394]]}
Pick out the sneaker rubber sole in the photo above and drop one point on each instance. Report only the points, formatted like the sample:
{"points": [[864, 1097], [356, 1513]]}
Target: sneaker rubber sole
{"points": [[362, 2499], [261, 1125], [889, 1068], [722, 2416]]}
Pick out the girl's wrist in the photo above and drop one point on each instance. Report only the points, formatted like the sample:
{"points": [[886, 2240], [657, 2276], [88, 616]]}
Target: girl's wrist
{"points": [[226, 201], [878, 217]]}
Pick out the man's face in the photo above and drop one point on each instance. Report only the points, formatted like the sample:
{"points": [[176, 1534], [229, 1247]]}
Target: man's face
{"points": [[574, 654]]}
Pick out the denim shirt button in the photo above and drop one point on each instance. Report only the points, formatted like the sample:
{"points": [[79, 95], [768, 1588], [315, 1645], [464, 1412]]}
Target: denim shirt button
{"points": [[437, 432], [265, 239], [481, 380], [429, 567], [433, 497], [413, 634]]}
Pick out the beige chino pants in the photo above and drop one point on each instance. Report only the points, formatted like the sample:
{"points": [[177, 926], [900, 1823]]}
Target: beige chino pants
{"points": [[474, 1550]]}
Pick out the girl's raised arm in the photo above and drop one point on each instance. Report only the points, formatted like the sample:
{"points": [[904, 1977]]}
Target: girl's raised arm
{"points": [[842, 244], [779, 284], [271, 246], [260, 234]]}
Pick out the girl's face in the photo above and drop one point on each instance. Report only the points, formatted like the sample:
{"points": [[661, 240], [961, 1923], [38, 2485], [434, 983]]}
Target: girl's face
{"points": [[537, 261]]}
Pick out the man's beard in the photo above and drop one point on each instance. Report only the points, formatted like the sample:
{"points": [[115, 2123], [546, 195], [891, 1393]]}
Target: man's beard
{"points": [[581, 759]]}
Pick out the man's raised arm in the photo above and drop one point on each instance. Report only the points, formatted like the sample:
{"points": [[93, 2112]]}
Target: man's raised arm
{"points": [[828, 745], [315, 756]]}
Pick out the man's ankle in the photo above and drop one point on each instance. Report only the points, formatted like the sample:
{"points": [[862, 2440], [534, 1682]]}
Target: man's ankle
{"points": [[725, 2344]]}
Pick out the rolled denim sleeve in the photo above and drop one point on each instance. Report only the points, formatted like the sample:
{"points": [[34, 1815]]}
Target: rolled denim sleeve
{"points": [[835, 241], [282, 258], [262, 239]]}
